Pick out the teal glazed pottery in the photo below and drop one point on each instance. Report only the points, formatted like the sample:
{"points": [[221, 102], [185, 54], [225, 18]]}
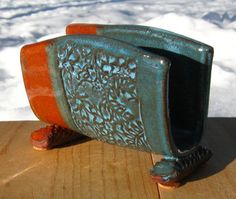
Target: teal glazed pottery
{"points": [[133, 86]]}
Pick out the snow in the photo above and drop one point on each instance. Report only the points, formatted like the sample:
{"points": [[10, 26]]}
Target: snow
{"points": [[210, 21]]}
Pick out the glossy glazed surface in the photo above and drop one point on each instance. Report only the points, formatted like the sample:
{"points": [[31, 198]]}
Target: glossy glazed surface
{"points": [[100, 90], [38, 84], [188, 79], [115, 87]]}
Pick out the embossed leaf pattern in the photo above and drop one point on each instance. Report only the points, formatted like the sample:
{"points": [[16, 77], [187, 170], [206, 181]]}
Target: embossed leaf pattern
{"points": [[101, 91]]}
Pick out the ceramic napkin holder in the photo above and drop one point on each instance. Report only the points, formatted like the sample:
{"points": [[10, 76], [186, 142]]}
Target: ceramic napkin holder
{"points": [[133, 86]]}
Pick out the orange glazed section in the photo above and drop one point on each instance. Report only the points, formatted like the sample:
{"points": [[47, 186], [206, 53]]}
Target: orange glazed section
{"points": [[34, 62], [82, 29]]}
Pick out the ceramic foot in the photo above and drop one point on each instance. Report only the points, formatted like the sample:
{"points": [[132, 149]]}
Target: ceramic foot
{"points": [[170, 171], [52, 136]]}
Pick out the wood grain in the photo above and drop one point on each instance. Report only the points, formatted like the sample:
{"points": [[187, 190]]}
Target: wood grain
{"points": [[89, 169], [92, 169], [216, 179]]}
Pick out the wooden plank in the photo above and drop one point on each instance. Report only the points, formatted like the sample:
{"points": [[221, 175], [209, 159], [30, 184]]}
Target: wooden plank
{"points": [[217, 178], [88, 169]]}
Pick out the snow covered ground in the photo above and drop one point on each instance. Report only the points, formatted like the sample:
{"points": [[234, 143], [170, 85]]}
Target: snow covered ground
{"points": [[210, 21]]}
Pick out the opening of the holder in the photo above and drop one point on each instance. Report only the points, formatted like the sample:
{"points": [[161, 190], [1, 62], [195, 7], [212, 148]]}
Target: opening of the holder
{"points": [[185, 98]]}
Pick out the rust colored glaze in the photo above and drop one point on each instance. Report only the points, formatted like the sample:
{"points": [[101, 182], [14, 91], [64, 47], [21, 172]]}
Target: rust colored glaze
{"points": [[38, 84], [73, 29], [43, 133], [169, 184], [40, 138]]}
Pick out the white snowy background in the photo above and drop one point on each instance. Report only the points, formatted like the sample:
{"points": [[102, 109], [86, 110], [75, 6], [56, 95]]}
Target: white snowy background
{"points": [[210, 21]]}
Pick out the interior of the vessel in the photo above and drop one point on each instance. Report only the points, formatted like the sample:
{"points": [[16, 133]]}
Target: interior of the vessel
{"points": [[185, 98]]}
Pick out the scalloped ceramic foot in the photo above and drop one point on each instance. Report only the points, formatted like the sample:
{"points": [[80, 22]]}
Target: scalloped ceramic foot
{"points": [[51, 136], [170, 171]]}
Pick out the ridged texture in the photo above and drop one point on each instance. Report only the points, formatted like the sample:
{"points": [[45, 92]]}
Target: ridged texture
{"points": [[170, 171], [52, 136]]}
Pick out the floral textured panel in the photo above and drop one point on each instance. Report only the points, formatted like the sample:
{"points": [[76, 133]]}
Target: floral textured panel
{"points": [[101, 92]]}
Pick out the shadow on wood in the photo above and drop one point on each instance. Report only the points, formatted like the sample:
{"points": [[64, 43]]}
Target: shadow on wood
{"points": [[220, 137]]}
